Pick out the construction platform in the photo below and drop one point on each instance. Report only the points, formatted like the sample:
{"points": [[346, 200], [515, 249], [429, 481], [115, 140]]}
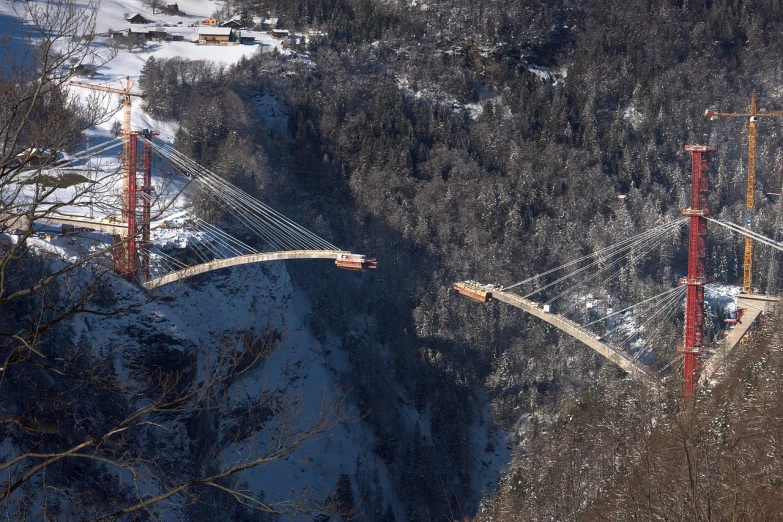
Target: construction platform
{"points": [[753, 305]]}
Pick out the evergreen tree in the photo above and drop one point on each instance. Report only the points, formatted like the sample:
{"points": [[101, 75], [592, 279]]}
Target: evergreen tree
{"points": [[388, 516], [344, 496]]}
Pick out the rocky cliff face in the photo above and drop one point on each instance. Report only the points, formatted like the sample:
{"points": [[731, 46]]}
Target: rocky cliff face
{"points": [[189, 331]]}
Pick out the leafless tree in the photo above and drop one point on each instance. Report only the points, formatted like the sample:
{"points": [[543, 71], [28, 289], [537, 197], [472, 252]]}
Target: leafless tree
{"points": [[157, 404], [41, 125], [155, 4], [38, 122]]}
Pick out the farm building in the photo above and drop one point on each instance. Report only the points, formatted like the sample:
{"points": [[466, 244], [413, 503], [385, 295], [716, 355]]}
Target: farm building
{"points": [[216, 35], [36, 157], [157, 33], [233, 24], [148, 33], [85, 69], [137, 19], [280, 33]]}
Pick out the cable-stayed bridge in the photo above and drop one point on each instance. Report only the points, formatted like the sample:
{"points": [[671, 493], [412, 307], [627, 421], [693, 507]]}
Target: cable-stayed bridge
{"points": [[626, 336], [283, 238], [135, 256], [579, 297], [581, 287]]}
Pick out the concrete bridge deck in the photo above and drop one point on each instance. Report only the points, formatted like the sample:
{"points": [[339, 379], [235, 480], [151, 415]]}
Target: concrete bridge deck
{"points": [[612, 353], [106, 225]]}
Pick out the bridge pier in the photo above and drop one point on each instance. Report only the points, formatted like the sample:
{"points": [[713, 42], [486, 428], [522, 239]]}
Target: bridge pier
{"points": [[131, 255], [697, 253]]}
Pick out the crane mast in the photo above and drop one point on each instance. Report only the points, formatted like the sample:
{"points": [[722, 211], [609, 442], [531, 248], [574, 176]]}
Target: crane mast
{"points": [[750, 203], [750, 199], [125, 255], [126, 129]]}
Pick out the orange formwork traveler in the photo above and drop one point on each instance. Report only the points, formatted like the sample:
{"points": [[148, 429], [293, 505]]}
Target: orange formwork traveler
{"points": [[473, 291], [355, 262]]}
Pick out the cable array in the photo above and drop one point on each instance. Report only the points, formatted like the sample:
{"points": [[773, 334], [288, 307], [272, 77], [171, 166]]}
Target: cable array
{"points": [[622, 247], [654, 300], [207, 243], [675, 360], [748, 233], [662, 315], [278, 231], [651, 244], [602, 267], [91, 151]]}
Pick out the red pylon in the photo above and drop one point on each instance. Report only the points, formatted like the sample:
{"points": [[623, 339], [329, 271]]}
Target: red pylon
{"points": [[125, 255], [146, 200], [694, 301]]}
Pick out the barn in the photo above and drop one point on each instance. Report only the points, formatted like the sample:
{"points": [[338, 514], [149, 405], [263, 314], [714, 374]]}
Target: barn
{"points": [[233, 24], [137, 19], [216, 35]]}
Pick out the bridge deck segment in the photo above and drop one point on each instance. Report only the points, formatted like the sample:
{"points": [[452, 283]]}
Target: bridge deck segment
{"points": [[241, 260], [22, 222]]}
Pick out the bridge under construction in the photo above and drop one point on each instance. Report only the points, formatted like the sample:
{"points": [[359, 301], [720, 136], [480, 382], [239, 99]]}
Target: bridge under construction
{"points": [[693, 348]]}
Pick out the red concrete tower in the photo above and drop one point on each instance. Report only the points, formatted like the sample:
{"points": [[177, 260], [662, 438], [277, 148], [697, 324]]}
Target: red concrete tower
{"points": [[694, 301]]}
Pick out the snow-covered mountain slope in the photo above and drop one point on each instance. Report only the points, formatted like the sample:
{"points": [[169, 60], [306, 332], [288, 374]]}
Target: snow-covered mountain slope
{"points": [[115, 63], [197, 319]]}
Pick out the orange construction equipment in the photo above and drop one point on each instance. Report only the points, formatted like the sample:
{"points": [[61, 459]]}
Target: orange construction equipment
{"points": [[753, 115], [473, 291], [126, 93], [355, 262]]}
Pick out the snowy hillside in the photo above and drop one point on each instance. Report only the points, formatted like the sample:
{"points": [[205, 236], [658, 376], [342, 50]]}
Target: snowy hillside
{"points": [[114, 64], [253, 299]]}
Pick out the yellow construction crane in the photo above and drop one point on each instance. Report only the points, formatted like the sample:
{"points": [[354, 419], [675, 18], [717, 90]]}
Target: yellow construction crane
{"points": [[753, 115], [126, 93]]}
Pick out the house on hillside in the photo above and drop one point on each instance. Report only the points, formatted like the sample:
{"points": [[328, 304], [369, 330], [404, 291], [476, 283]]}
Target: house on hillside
{"points": [[280, 33], [36, 157], [148, 33], [137, 19], [172, 8], [85, 69], [233, 24], [209, 21], [158, 34], [143, 32], [292, 41], [216, 35], [246, 39]]}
